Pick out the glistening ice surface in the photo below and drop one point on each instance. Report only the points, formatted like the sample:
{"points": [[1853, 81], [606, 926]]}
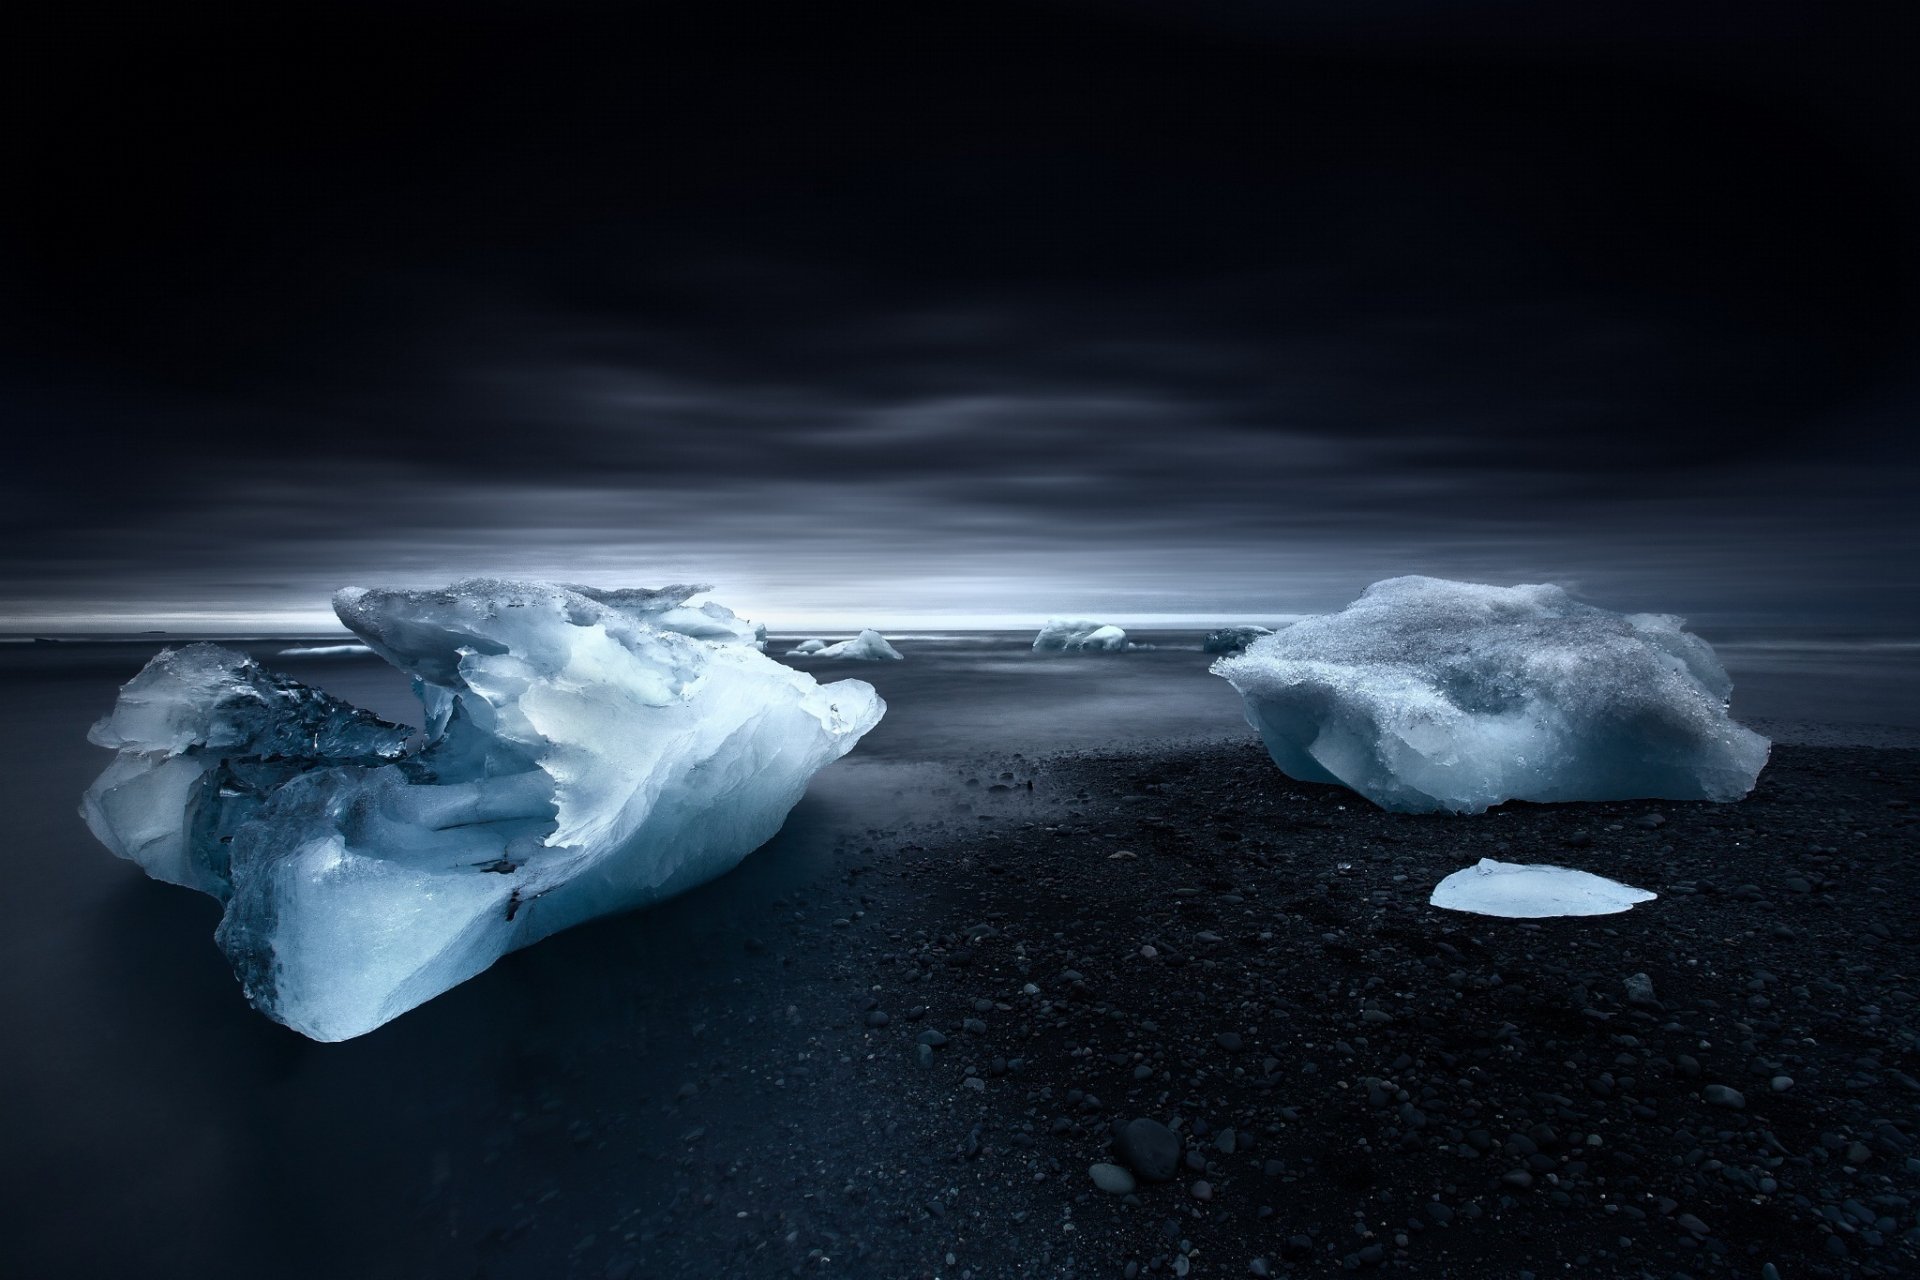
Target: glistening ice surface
{"points": [[585, 752], [1426, 694]]}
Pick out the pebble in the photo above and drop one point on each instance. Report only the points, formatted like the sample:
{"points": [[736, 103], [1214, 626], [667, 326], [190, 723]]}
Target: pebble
{"points": [[1149, 1148], [1111, 1178], [1722, 1096]]}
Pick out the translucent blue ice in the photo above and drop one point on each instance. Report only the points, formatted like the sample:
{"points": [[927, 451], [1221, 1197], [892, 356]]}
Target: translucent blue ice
{"points": [[1426, 694], [585, 752]]}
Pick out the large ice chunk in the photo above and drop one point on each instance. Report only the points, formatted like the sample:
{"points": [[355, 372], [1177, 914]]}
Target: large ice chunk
{"points": [[1070, 635], [1426, 694], [580, 758], [868, 646]]}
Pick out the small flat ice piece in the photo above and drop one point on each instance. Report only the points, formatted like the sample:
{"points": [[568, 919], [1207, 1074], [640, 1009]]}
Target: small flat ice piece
{"points": [[1519, 891], [1427, 695], [585, 752], [868, 646], [326, 651], [1080, 635]]}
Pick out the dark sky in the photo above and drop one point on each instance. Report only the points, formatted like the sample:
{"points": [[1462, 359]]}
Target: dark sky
{"points": [[901, 312]]}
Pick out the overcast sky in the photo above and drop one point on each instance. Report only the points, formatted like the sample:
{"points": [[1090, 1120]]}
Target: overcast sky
{"points": [[921, 315]]}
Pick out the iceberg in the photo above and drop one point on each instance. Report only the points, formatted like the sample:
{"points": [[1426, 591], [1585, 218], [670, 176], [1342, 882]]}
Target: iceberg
{"points": [[1427, 695], [806, 648], [1071, 635], [1232, 639], [1522, 892], [868, 646], [325, 651], [585, 752]]}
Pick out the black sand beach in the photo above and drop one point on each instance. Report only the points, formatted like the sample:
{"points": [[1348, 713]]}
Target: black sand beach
{"points": [[734, 1083]]}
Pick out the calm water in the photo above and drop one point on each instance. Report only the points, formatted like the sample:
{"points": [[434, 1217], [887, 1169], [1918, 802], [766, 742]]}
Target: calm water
{"points": [[156, 1125]]}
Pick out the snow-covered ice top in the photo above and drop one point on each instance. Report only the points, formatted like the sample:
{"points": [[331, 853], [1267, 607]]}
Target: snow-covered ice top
{"points": [[1523, 892], [1067, 635], [583, 754], [1233, 639], [1426, 694]]}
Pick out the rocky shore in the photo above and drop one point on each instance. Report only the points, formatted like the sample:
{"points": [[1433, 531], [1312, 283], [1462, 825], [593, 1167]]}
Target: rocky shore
{"points": [[1198, 1020]]}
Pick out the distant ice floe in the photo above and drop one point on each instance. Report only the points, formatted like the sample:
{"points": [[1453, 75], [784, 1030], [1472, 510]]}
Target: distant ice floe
{"points": [[325, 651], [1233, 639], [1080, 635], [868, 646], [1427, 695], [1523, 892], [585, 752]]}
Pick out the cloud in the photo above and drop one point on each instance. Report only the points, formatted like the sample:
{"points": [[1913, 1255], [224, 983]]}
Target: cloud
{"points": [[1144, 317]]}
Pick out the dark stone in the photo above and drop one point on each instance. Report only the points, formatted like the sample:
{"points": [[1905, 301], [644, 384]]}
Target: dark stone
{"points": [[1149, 1148]]}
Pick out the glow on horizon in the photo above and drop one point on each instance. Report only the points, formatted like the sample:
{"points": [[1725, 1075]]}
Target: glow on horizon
{"points": [[316, 623]]}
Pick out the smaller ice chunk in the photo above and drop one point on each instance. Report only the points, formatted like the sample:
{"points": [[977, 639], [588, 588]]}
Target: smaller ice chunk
{"points": [[1233, 639], [868, 646], [1521, 892], [806, 648], [1080, 635], [1427, 695], [326, 651]]}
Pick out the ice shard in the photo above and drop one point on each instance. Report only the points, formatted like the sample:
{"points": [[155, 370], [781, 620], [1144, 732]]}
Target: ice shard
{"points": [[1534, 892], [585, 752]]}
